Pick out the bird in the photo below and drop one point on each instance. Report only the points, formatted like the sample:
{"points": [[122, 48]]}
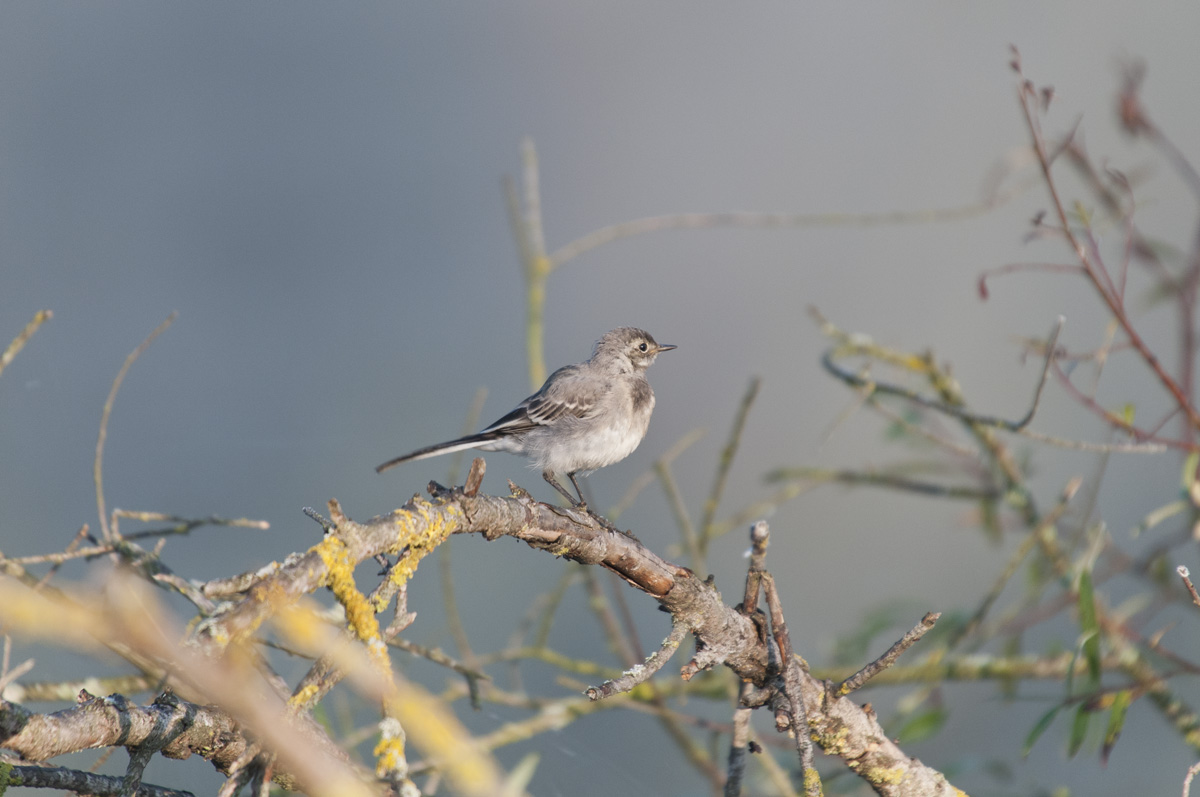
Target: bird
{"points": [[584, 417]]}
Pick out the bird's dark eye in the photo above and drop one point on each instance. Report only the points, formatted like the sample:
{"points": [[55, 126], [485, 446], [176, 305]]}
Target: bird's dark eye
{"points": [[643, 346]]}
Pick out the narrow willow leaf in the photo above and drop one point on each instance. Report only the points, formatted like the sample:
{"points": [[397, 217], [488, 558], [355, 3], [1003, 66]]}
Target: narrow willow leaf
{"points": [[1189, 470], [1116, 721], [923, 725], [1090, 627], [1078, 731], [1039, 728]]}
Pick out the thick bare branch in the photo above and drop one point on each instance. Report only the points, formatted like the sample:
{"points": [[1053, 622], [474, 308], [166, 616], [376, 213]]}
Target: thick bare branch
{"points": [[175, 727], [79, 782]]}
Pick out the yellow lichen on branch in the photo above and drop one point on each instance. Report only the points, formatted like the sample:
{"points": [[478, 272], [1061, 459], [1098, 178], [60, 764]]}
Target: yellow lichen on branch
{"points": [[416, 541], [360, 616]]}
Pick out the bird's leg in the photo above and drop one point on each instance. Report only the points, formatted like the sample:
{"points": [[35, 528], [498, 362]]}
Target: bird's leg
{"points": [[577, 504], [581, 503], [553, 482]]}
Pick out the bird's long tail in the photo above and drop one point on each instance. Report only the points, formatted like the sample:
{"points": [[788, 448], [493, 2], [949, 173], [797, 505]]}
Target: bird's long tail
{"points": [[461, 444]]}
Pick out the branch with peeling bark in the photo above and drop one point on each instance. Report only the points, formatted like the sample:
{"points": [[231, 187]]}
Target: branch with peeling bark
{"points": [[752, 643], [734, 637], [172, 726]]}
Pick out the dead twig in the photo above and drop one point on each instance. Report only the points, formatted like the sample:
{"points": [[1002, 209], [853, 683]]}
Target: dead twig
{"points": [[98, 464], [889, 658]]}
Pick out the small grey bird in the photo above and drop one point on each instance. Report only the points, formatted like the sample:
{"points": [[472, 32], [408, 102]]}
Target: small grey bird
{"points": [[585, 416]]}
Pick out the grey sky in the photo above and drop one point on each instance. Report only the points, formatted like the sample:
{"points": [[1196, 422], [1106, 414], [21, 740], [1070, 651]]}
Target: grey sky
{"points": [[316, 189]]}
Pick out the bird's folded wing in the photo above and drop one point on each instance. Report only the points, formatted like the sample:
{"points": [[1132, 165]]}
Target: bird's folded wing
{"points": [[564, 395]]}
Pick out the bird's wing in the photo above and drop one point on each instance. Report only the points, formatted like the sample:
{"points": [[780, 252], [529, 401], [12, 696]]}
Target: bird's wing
{"points": [[563, 395]]}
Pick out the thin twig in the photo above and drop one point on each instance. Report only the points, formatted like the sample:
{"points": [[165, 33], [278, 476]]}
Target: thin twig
{"points": [[1093, 268], [888, 480], [1187, 781], [18, 343], [1014, 562], [98, 465], [726, 461], [313, 514], [1098, 448], [437, 656], [889, 658], [630, 625], [599, 604], [553, 602], [531, 182], [854, 379], [641, 672], [699, 221], [1187, 582], [526, 221], [679, 510], [1114, 420], [8, 676], [181, 525]]}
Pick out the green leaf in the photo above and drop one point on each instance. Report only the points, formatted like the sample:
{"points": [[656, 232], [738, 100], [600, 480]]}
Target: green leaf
{"points": [[922, 725], [1071, 671], [1116, 721], [1156, 516], [1189, 470], [1078, 731], [1090, 627], [1039, 728]]}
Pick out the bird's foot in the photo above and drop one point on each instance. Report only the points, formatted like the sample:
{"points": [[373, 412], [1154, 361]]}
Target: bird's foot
{"points": [[601, 519]]}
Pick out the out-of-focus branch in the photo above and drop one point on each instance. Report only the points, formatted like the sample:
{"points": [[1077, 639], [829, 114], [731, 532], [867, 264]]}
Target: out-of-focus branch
{"points": [[1093, 268], [707, 520], [859, 346], [130, 616], [769, 221], [98, 464], [14, 348], [79, 782]]}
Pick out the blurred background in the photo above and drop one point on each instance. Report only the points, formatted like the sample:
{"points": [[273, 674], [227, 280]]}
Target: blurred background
{"points": [[316, 189]]}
